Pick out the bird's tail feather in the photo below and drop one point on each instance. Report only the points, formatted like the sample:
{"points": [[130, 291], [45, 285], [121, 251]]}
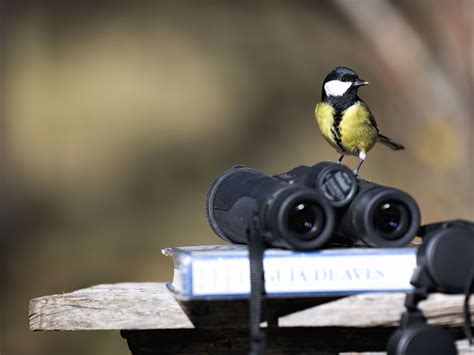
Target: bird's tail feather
{"points": [[389, 142]]}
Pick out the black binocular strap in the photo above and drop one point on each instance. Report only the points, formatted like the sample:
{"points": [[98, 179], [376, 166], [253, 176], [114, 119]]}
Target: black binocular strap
{"points": [[467, 314], [256, 248]]}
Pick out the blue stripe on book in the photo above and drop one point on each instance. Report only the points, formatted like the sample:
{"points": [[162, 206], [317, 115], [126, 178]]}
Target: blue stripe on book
{"points": [[300, 294]]}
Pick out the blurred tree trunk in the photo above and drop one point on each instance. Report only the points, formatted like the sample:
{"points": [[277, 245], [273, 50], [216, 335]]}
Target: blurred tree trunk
{"points": [[422, 84]]}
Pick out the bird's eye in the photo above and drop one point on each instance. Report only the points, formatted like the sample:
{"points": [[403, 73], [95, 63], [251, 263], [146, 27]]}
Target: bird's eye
{"points": [[345, 78]]}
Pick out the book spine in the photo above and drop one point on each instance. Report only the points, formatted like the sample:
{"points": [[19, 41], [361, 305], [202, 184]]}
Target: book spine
{"points": [[182, 276], [210, 276]]}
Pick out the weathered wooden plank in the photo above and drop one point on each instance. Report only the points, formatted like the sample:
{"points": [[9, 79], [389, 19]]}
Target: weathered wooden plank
{"points": [[152, 306], [115, 306], [377, 310]]}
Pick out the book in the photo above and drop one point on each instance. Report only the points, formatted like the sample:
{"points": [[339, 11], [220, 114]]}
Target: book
{"points": [[222, 271]]}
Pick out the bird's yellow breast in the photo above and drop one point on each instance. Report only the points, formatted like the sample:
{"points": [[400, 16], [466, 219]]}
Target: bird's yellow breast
{"points": [[356, 131], [325, 118]]}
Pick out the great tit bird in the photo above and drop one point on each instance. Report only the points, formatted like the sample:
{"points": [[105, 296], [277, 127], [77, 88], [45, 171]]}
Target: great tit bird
{"points": [[345, 120]]}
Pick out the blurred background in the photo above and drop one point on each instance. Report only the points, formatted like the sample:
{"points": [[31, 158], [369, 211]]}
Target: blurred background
{"points": [[116, 116]]}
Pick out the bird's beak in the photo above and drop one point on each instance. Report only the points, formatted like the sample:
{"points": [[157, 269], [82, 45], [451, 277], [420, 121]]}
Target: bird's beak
{"points": [[360, 82]]}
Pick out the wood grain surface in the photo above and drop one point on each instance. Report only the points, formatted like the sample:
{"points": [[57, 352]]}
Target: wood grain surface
{"points": [[151, 306]]}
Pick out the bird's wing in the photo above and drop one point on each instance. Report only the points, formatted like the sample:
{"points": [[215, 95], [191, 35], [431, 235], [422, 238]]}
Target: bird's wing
{"points": [[373, 122]]}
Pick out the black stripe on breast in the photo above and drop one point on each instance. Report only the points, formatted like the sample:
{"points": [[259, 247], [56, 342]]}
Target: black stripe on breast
{"points": [[336, 129]]}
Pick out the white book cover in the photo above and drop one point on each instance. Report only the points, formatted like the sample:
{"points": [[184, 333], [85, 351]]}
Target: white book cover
{"points": [[222, 271]]}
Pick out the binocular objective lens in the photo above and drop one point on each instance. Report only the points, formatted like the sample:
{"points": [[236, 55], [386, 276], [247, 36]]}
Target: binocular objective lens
{"points": [[304, 218], [391, 218]]}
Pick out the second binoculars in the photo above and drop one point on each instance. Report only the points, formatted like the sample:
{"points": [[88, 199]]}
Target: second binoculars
{"points": [[309, 208]]}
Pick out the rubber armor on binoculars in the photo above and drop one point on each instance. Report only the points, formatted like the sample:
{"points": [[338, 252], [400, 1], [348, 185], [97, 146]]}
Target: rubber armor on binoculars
{"points": [[309, 208]]}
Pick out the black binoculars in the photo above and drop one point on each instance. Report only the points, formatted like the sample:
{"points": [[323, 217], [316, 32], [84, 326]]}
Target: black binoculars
{"points": [[445, 263], [308, 208]]}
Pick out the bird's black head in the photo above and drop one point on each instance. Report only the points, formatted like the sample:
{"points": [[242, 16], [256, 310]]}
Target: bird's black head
{"points": [[341, 84]]}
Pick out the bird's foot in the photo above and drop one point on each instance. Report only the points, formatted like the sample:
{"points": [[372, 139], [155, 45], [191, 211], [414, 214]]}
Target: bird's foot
{"points": [[362, 157], [356, 173]]}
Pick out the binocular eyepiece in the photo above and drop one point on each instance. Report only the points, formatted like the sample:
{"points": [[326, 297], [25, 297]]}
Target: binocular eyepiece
{"points": [[310, 207]]}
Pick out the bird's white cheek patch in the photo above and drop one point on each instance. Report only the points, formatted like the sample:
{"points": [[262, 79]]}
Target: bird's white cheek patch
{"points": [[336, 87]]}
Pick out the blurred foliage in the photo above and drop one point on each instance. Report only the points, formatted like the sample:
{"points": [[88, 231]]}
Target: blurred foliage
{"points": [[117, 116]]}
